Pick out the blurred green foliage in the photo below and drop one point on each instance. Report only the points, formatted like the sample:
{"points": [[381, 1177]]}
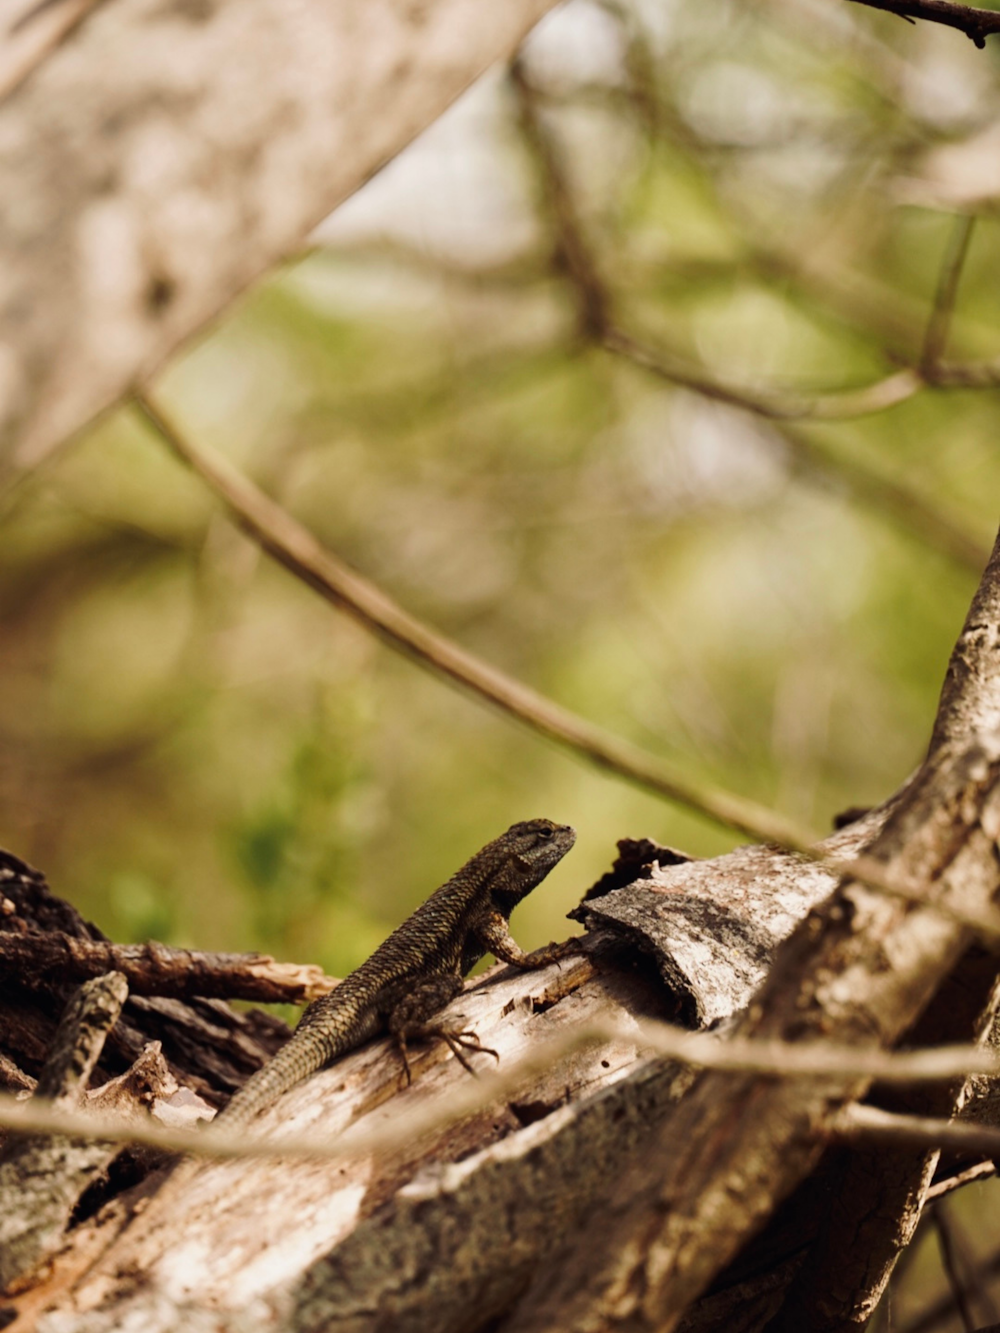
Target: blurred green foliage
{"points": [[198, 749]]}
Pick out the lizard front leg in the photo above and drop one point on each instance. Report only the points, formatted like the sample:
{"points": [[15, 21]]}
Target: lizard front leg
{"points": [[409, 1018], [494, 934]]}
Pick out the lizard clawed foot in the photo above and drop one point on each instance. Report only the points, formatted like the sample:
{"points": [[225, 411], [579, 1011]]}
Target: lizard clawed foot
{"points": [[465, 1041], [457, 1041]]}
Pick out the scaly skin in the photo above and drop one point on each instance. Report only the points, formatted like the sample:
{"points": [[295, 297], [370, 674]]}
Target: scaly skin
{"points": [[419, 968]]}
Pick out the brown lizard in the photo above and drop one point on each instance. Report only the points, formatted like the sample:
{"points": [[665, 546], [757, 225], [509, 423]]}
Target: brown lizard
{"points": [[418, 970]]}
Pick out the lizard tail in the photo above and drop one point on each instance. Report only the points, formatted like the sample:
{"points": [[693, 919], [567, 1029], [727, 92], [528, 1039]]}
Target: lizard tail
{"points": [[312, 1046]]}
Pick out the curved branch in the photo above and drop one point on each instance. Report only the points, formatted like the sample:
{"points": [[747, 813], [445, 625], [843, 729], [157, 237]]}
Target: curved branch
{"points": [[295, 548]]}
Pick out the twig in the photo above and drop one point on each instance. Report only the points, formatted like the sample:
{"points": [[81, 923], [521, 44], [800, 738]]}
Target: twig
{"points": [[155, 969], [572, 254], [977, 24], [970, 1176], [914, 513], [872, 1125], [839, 406], [964, 374], [949, 1259], [295, 548], [790, 1060], [952, 264]]}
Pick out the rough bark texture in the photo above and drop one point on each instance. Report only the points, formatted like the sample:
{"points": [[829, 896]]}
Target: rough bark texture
{"points": [[370, 1244], [154, 969], [42, 1178], [161, 157], [874, 1198], [207, 1046]]}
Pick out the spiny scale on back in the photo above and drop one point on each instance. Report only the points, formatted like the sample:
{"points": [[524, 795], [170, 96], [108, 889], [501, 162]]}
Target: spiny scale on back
{"points": [[419, 968]]}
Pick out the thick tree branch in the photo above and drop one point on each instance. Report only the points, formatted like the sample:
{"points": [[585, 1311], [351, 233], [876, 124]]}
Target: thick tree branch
{"points": [[970, 696]]}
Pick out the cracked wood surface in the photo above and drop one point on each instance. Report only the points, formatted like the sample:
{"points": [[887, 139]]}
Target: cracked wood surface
{"points": [[356, 1244], [332, 1230]]}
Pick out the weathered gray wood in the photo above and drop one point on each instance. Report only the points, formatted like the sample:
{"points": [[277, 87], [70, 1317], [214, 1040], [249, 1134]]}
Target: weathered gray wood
{"points": [[41, 1178], [349, 1245], [711, 927], [162, 157]]}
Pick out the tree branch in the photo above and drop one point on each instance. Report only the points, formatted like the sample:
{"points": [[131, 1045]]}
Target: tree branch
{"points": [[295, 548], [858, 969], [155, 969], [597, 322], [977, 24]]}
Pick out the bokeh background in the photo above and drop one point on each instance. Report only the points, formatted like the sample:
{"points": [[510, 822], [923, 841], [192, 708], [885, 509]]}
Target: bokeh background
{"points": [[199, 749], [767, 198]]}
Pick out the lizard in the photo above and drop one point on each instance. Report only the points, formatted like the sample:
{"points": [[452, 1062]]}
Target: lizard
{"points": [[419, 969]]}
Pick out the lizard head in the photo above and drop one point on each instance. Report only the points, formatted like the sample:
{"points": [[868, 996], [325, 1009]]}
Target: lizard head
{"points": [[537, 845]]}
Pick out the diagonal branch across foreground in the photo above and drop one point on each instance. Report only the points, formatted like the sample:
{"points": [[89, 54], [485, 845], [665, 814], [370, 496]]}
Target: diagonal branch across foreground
{"points": [[859, 970]]}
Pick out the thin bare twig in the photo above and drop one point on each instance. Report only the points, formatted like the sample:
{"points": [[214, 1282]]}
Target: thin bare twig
{"points": [[970, 1176], [948, 1246], [964, 374], [872, 1125], [155, 969], [837, 406], [912, 511], [597, 322], [952, 264], [571, 252], [295, 548]]}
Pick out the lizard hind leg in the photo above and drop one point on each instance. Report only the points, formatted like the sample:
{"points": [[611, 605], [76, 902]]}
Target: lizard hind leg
{"points": [[411, 1015]]}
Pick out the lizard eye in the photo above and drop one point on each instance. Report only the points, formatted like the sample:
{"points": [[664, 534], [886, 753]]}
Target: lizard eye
{"points": [[545, 833]]}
